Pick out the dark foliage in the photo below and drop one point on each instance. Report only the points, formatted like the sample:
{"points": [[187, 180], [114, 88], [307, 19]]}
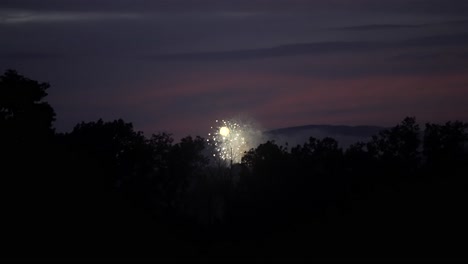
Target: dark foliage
{"points": [[105, 190]]}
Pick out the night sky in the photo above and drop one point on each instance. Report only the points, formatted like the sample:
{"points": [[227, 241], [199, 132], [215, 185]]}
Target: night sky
{"points": [[177, 66]]}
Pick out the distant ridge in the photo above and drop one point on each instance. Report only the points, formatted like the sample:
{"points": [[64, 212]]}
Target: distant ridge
{"points": [[345, 135], [356, 131]]}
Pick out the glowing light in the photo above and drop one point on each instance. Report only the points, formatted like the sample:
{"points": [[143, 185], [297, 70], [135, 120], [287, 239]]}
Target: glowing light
{"points": [[230, 140], [223, 131]]}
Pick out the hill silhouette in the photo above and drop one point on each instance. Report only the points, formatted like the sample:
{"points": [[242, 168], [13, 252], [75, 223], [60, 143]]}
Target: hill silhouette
{"points": [[345, 135]]}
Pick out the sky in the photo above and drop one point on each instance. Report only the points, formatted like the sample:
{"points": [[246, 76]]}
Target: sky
{"points": [[176, 66]]}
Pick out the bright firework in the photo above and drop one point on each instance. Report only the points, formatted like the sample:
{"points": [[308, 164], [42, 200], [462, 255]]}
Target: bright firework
{"points": [[230, 140]]}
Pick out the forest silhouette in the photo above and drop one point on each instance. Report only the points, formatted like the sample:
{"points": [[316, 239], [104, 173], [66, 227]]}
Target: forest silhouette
{"points": [[105, 191]]}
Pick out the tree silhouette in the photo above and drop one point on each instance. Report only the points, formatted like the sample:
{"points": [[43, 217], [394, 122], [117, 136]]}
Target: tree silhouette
{"points": [[444, 145], [397, 150], [24, 117], [185, 163], [268, 163], [26, 133], [112, 150], [106, 190]]}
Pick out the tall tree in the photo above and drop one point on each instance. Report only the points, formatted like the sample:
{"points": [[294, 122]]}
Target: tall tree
{"points": [[24, 117]]}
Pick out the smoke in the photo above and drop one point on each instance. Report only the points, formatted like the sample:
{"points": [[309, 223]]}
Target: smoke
{"points": [[229, 139]]}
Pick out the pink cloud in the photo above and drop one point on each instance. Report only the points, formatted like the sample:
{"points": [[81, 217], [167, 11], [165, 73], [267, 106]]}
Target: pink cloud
{"points": [[280, 100]]}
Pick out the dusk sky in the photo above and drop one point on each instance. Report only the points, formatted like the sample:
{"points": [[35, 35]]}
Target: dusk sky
{"points": [[177, 66]]}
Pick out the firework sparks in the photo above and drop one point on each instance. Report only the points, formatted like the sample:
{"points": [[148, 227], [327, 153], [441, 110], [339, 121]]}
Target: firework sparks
{"points": [[229, 140]]}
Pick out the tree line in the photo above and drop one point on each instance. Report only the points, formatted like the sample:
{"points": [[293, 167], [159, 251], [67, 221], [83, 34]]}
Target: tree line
{"points": [[106, 190]]}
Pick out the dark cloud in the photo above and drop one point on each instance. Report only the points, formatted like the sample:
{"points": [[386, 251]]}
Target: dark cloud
{"points": [[457, 7], [378, 27], [317, 48], [285, 50], [439, 40], [30, 55]]}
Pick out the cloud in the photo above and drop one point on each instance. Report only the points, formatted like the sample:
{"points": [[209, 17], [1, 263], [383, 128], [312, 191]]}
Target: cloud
{"points": [[280, 51], [438, 40], [276, 6], [205, 59], [333, 101], [402, 26], [378, 27], [315, 48], [16, 16], [30, 55]]}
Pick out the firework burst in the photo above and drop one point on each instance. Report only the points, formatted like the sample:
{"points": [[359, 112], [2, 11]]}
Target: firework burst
{"points": [[229, 140]]}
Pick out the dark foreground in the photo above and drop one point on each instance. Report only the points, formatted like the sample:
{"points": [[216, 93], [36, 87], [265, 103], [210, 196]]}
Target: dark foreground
{"points": [[105, 191]]}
